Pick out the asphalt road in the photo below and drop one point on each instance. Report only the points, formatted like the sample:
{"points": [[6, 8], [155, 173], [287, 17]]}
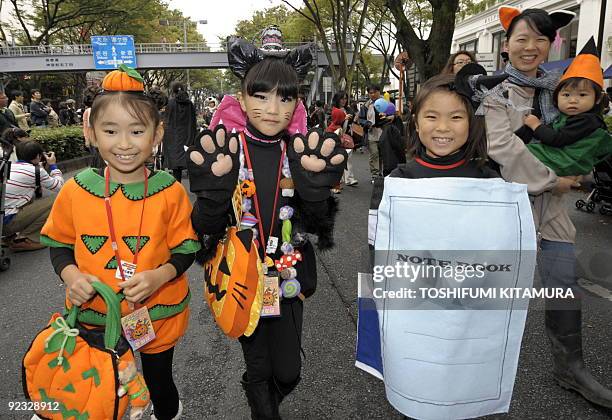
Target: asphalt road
{"points": [[208, 365]]}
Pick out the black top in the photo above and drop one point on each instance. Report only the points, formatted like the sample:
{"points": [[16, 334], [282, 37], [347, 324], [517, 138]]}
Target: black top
{"points": [[7, 120], [38, 113], [265, 158], [454, 165], [180, 130], [423, 166], [576, 128], [210, 218], [392, 146]]}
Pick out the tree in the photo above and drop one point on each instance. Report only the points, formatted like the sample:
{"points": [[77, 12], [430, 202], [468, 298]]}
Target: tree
{"points": [[435, 18], [370, 66], [379, 32], [75, 21], [39, 21], [294, 26], [343, 22], [2, 33]]}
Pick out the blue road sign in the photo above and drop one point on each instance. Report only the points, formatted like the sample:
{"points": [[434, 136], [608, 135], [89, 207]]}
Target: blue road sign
{"points": [[110, 51]]}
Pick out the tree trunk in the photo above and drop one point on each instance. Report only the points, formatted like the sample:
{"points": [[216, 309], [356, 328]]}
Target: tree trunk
{"points": [[429, 55]]}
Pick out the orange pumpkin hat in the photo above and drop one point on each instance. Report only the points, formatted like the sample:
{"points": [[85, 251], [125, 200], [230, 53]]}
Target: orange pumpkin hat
{"points": [[124, 79], [560, 18], [586, 65]]}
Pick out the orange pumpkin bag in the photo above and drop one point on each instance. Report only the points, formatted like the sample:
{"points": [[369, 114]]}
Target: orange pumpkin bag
{"points": [[233, 279], [233, 283], [73, 370]]}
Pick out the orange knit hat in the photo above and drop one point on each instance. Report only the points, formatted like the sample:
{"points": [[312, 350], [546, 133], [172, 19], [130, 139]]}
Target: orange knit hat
{"points": [[586, 65]]}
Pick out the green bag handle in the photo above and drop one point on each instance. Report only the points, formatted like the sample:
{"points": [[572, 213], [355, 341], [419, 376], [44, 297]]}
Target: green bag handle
{"points": [[112, 330]]}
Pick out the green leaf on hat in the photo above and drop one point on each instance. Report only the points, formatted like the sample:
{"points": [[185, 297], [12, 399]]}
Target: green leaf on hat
{"points": [[131, 72]]}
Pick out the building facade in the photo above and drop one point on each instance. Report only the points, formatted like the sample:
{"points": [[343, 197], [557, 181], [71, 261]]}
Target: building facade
{"points": [[483, 33]]}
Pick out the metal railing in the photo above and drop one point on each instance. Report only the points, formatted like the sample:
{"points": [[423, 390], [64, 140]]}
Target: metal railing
{"points": [[150, 48]]}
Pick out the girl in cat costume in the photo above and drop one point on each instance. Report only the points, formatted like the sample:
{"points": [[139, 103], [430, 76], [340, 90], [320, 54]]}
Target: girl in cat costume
{"points": [[259, 148]]}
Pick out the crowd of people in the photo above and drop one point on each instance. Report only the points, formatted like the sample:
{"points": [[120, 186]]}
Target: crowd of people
{"points": [[38, 112], [264, 171]]}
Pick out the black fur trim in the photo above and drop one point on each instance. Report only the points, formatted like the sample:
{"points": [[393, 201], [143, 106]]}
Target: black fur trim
{"points": [[318, 218], [209, 247]]}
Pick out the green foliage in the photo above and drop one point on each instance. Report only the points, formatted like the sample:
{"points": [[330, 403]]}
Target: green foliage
{"points": [[66, 142], [294, 26], [75, 21], [608, 121], [207, 79], [372, 66], [473, 7]]}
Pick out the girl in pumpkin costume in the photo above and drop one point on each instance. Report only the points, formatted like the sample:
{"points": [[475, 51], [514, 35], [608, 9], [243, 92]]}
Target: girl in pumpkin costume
{"points": [[127, 227], [285, 180]]}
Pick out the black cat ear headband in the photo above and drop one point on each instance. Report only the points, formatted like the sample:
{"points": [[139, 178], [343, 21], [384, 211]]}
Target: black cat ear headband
{"points": [[243, 55]]}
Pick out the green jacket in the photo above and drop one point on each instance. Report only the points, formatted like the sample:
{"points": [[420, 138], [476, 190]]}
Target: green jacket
{"points": [[575, 158]]}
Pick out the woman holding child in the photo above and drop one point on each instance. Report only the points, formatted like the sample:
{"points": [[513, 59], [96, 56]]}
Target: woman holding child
{"points": [[529, 35]]}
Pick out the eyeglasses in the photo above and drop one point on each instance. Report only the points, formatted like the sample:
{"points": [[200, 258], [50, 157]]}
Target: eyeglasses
{"points": [[461, 62]]}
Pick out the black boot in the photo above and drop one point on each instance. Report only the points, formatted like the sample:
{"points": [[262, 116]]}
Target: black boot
{"points": [[282, 389], [262, 399], [564, 329]]}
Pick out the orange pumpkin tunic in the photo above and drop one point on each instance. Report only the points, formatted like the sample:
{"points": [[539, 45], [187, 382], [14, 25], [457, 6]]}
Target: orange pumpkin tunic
{"points": [[78, 221]]}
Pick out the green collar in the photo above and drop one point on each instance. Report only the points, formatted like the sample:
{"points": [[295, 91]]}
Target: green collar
{"points": [[93, 183]]}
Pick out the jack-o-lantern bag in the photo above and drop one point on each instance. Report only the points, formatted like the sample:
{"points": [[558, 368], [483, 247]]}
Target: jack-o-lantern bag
{"points": [[73, 371], [233, 279], [234, 283]]}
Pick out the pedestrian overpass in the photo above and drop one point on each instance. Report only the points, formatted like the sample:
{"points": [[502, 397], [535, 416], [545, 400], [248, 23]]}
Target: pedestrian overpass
{"points": [[69, 58]]}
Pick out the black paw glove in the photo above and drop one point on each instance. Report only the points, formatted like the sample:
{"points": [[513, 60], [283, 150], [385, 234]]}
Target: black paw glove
{"points": [[213, 164], [317, 163]]}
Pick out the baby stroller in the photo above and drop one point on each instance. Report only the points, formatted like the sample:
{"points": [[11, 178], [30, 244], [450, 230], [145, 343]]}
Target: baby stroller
{"points": [[5, 171], [602, 193]]}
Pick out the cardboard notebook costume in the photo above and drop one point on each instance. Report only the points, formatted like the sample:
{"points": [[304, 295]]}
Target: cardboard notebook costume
{"points": [[76, 371], [456, 361]]}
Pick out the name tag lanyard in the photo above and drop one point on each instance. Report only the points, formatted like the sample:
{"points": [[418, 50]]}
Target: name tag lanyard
{"points": [[111, 225], [257, 212]]}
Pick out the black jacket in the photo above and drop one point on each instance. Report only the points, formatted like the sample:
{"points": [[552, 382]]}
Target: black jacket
{"points": [[38, 113], [7, 120], [180, 130], [210, 218]]}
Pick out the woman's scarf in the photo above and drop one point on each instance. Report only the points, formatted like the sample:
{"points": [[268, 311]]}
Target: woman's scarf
{"points": [[545, 81]]}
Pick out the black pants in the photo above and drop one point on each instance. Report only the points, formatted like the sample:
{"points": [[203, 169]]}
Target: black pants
{"points": [[177, 173], [273, 350], [157, 372]]}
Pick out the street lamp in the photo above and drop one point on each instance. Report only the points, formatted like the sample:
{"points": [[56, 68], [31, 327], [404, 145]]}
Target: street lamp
{"points": [[184, 22]]}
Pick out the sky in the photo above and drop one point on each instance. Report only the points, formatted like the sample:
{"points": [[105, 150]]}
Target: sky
{"points": [[222, 15]]}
